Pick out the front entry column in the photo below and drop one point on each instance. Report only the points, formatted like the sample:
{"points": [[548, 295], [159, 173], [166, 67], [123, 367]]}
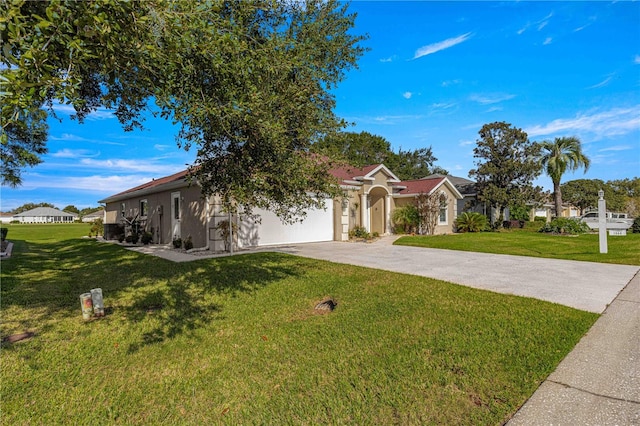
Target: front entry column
{"points": [[364, 211], [387, 212]]}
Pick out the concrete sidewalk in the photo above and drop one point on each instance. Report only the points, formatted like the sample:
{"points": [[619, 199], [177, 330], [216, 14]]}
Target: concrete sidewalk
{"points": [[598, 383]]}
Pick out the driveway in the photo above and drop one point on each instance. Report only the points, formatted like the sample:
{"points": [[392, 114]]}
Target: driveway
{"points": [[583, 285]]}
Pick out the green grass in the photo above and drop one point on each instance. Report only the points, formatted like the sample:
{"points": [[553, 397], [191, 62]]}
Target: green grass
{"points": [[235, 340], [621, 250]]}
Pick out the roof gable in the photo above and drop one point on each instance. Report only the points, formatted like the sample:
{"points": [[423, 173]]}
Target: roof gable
{"points": [[350, 174]]}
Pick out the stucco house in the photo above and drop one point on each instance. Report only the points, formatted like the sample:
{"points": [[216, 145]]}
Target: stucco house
{"points": [[45, 215], [171, 207]]}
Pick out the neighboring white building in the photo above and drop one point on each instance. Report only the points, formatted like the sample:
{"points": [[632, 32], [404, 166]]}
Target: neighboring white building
{"points": [[45, 215], [93, 216], [6, 217]]}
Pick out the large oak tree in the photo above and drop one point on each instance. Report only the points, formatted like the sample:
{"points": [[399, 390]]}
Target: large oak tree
{"points": [[506, 165], [249, 82]]}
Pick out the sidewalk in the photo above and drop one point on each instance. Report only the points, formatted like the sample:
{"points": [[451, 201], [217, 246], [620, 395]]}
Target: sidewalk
{"points": [[598, 383]]}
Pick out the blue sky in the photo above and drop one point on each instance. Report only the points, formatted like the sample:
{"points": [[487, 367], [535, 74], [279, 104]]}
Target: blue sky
{"points": [[436, 72]]}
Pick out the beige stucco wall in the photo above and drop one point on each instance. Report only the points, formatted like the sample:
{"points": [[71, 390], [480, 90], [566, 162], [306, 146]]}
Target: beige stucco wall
{"points": [[452, 210], [158, 220]]}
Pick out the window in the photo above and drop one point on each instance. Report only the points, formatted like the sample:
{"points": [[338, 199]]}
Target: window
{"points": [[143, 208], [122, 209], [442, 218], [176, 208]]}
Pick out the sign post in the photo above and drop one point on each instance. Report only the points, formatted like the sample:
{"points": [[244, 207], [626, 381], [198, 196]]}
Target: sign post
{"points": [[602, 222]]}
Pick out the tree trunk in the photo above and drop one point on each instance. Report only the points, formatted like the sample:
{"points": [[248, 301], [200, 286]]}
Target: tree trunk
{"points": [[498, 224], [557, 196]]}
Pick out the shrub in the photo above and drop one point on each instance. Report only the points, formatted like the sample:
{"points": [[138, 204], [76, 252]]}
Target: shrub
{"points": [[540, 219], [225, 232], [513, 223], [177, 242], [359, 232], [97, 227], [121, 238], [471, 222], [187, 244], [146, 238], [519, 213], [563, 225], [406, 219], [3, 233], [636, 225]]}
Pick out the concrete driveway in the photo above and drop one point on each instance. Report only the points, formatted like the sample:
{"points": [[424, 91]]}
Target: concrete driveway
{"points": [[582, 285]]}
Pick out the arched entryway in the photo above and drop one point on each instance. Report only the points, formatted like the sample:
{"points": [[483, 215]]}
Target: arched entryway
{"points": [[378, 210]]}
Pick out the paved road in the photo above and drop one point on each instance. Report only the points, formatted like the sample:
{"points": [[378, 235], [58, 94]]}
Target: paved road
{"points": [[583, 285]]}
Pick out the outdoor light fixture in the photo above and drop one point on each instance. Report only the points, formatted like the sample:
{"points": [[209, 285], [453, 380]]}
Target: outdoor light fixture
{"points": [[601, 194]]}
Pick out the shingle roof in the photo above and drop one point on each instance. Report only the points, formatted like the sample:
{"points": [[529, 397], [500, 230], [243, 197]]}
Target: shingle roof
{"points": [[156, 182], [419, 186]]}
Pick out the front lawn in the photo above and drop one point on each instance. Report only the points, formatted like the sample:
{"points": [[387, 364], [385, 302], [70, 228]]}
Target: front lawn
{"points": [[235, 340], [621, 250]]}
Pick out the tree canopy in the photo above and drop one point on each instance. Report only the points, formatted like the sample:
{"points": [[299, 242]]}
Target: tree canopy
{"points": [[248, 82], [622, 195], [362, 149], [506, 165]]}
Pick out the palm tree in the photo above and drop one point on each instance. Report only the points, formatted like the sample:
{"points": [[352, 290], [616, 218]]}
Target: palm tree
{"points": [[558, 156]]}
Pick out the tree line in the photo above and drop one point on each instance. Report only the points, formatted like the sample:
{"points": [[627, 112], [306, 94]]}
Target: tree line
{"points": [[69, 209]]}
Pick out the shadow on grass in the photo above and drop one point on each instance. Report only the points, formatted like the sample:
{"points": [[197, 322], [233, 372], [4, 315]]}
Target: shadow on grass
{"points": [[46, 279]]}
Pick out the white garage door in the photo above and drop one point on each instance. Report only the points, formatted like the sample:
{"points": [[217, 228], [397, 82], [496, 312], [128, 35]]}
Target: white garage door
{"points": [[317, 226]]}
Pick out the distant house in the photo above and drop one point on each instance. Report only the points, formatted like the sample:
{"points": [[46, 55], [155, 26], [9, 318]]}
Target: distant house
{"points": [[6, 217], [171, 208], [87, 218], [45, 215]]}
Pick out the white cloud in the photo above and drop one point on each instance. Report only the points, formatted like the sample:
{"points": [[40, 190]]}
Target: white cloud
{"points": [[542, 25], [636, 60], [616, 148], [466, 143], [407, 95], [443, 105], [384, 119], [602, 83], [73, 153], [99, 114], [75, 138], [389, 59], [162, 147], [491, 98], [144, 166], [100, 184], [448, 83], [614, 122], [441, 45], [547, 41]]}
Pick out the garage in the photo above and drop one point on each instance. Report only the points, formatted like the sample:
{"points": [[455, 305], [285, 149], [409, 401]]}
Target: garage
{"points": [[317, 226]]}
